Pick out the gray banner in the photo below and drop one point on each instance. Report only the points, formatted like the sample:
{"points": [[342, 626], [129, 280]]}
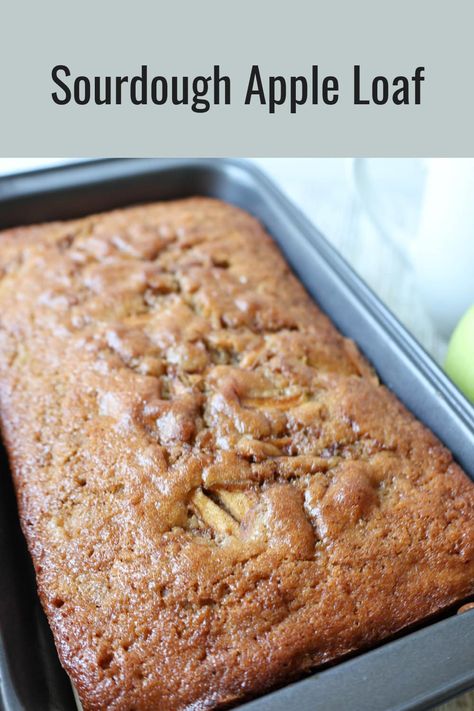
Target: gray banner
{"points": [[176, 39]]}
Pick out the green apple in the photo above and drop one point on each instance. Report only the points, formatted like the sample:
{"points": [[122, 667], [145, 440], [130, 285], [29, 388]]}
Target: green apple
{"points": [[460, 359]]}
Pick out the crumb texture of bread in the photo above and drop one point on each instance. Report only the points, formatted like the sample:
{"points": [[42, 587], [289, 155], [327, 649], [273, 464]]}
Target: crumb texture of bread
{"points": [[217, 493]]}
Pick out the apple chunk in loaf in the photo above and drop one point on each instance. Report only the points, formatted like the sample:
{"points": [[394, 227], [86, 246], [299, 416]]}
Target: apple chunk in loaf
{"points": [[217, 493]]}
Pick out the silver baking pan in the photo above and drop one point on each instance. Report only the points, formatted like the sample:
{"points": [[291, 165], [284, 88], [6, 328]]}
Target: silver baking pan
{"points": [[419, 669]]}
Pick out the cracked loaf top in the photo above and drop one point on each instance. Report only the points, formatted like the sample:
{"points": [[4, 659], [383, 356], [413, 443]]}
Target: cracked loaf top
{"points": [[217, 492]]}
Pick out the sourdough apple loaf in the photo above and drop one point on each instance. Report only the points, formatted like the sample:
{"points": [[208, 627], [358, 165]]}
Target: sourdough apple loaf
{"points": [[217, 493]]}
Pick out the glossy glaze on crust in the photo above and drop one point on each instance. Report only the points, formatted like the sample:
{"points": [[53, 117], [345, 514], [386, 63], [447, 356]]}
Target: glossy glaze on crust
{"points": [[217, 493]]}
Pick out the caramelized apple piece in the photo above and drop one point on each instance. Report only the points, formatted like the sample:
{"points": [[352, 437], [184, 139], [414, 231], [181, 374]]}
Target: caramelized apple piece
{"points": [[212, 514]]}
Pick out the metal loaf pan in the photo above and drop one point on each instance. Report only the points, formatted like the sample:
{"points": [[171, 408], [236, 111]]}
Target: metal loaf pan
{"points": [[416, 671]]}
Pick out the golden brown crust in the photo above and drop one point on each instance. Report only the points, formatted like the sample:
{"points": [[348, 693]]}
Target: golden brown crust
{"points": [[217, 493]]}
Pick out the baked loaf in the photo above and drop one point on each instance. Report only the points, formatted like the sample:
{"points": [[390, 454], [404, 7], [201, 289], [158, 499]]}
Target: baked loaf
{"points": [[217, 493]]}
